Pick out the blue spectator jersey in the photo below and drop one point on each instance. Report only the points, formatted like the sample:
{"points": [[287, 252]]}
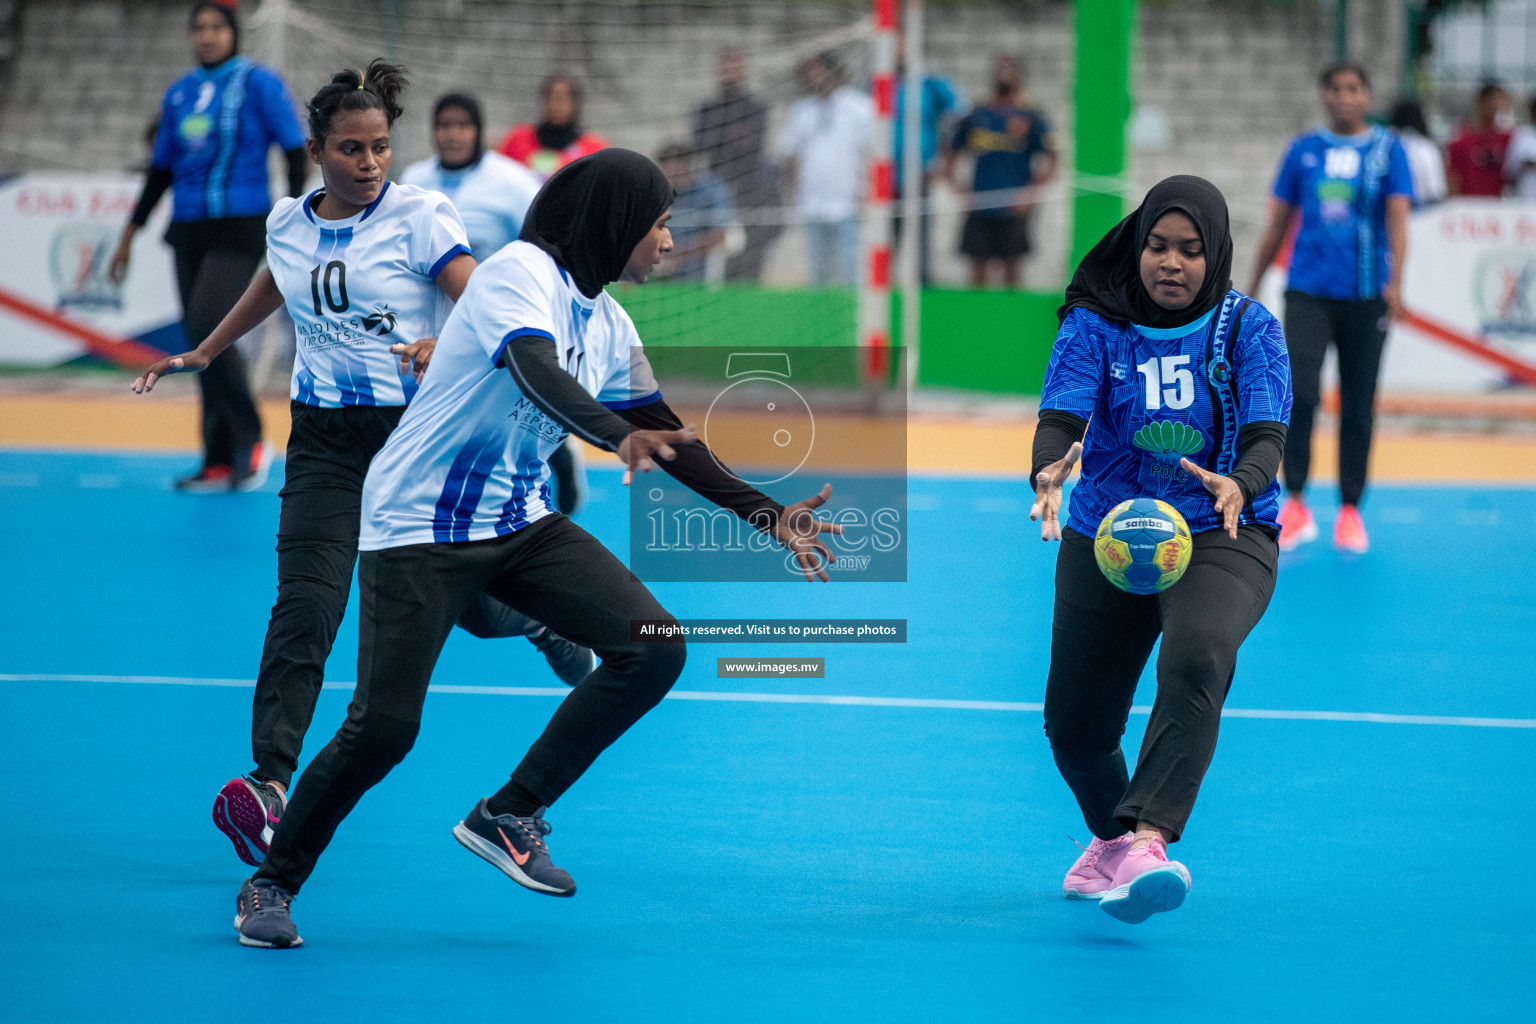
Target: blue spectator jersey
{"points": [[215, 129], [1153, 396], [939, 99], [1341, 186], [1005, 141]]}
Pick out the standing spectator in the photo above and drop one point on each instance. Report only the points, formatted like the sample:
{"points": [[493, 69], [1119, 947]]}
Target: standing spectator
{"points": [[1520, 160], [824, 143], [1477, 151], [216, 125], [490, 192], [1352, 188], [1016, 152], [557, 139], [939, 100], [701, 212], [1424, 157], [730, 132]]}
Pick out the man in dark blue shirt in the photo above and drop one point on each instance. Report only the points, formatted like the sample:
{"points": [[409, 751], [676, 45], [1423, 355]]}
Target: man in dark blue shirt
{"points": [[1016, 151]]}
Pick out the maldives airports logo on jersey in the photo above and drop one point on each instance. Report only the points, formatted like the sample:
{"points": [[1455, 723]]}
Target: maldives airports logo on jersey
{"points": [[784, 422], [1502, 291], [78, 261], [529, 417], [381, 321]]}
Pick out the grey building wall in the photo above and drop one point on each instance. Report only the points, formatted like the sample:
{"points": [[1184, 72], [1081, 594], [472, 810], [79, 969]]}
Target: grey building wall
{"points": [[1221, 86]]}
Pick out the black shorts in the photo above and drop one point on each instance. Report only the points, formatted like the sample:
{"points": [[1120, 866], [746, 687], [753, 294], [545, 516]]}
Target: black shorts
{"points": [[989, 237]]}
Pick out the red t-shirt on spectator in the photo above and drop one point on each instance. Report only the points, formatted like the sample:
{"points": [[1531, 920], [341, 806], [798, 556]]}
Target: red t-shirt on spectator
{"points": [[1477, 161], [522, 144]]}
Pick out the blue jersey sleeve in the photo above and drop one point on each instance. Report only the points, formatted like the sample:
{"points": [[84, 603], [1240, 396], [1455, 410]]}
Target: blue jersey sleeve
{"points": [[276, 107], [1399, 176], [165, 151], [1075, 373], [1263, 372], [1288, 182]]}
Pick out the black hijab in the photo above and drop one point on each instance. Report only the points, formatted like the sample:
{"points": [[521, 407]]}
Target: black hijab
{"points": [[593, 212], [471, 106], [229, 15], [1108, 281]]}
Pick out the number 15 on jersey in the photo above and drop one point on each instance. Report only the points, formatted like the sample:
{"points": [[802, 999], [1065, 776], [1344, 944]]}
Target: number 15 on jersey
{"points": [[1174, 386]]}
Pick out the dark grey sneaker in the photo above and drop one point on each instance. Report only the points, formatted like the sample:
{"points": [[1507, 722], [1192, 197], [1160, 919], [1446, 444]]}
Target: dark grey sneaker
{"points": [[571, 662], [516, 846], [261, 916]]}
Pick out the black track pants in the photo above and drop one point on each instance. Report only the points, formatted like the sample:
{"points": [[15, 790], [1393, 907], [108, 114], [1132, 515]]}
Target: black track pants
{"points": [[552, 571], [211, 280], [1358, 330], [328, 455], [1100, 641]]}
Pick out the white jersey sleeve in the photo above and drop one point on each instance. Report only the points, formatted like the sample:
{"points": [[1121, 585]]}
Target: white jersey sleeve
{"points": [[437, 235]]}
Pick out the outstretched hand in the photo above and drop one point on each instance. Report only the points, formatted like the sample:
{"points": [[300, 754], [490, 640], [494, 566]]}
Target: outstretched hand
{"points": [[799, 530], [1228, 496], [187, 362], [1048, 485], [414, 358], [641, 446]]}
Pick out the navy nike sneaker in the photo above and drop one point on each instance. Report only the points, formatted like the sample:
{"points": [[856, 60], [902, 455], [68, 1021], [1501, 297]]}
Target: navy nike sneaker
{"points": [[516, 846], [262, 918]]}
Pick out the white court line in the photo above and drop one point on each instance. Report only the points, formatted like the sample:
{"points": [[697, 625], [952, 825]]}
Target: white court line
{"points": [[939, 703]]}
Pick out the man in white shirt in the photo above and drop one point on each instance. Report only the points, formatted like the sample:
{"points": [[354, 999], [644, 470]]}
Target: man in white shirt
{"points": [[491, 192], [1520, 158], [825, 145]]}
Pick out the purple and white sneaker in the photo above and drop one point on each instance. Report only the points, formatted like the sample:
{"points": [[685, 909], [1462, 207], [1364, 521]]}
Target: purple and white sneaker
{"points": [[1094, 872], [247, 812]]}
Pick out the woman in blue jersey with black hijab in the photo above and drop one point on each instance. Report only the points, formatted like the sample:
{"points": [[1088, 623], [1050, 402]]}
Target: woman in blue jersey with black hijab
{"points": [[1154, 335], [217, 124]]}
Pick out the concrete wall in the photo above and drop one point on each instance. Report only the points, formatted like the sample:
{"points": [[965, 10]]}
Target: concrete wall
{"points": [[1221, 86]]}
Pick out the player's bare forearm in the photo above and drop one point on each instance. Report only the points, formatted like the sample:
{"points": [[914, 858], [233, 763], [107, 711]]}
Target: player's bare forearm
{"points": [[1397, 234], [1274, 237]]}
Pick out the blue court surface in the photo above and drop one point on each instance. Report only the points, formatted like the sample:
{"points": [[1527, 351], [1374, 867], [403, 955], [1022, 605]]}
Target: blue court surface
{"points": [[1360, 851]]}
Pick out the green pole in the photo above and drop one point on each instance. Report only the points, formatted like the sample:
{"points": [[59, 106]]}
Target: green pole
{"points": [[1101, 95], [1341, 30]]}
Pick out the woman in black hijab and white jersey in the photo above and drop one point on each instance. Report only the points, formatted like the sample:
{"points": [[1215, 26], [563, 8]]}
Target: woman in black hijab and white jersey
{"points": [[1172, 385], [457, 503]]}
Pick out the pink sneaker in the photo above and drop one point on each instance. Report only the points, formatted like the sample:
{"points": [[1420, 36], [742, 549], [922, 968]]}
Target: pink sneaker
{"points": [[1094, 873], [1296, 525], [1146, 883], [1349, 531]]}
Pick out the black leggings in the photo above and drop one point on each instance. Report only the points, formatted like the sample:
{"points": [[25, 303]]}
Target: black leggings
{"points": [[211, 279], [1358, 330], [1100, 641], [328, 455], [553, 571]]}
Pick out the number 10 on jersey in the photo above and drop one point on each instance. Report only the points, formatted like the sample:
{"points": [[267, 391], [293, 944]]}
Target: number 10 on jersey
{"points": [[332, 279], [1173, 387]]}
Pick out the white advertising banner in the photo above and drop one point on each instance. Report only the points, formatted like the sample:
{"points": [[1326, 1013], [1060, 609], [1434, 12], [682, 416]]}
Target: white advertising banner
{"points": [[1470, 292], [1472, 270], [57, 235]]}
